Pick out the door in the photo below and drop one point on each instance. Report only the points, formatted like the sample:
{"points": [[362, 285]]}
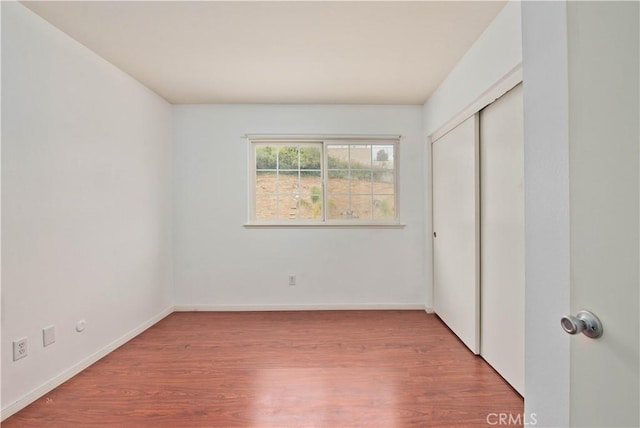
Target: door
{"points": [[582, 176], [604, 186], [502, 237], [455, 225]]}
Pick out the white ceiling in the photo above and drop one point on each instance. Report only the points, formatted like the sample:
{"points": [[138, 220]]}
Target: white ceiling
{"points": [[278, 52]]}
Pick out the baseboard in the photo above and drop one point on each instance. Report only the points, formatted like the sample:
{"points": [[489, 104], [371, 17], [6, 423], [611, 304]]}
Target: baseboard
{"points": [[429, 310], [32, 396], [311, 307]]}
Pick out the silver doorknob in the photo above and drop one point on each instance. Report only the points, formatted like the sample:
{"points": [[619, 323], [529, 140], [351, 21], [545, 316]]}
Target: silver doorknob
{"points": [[584, 322]]}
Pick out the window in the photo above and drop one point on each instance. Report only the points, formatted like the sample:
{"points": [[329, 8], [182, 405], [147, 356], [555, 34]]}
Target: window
{"points": [[323, 182]]}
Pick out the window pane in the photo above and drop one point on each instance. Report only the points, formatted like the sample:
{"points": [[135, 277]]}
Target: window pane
{"points": [[383, 182], [360, 156], [361, 206], [338, 157], [266, 182], [310, 207], [266, 157], [311, 182], [383, 157], [384, 207], [266, 207], [361, 181], [288, 157], [310, 157], [287, 207], [338, 181], [288, 182], [349, 207], [339, 207]]}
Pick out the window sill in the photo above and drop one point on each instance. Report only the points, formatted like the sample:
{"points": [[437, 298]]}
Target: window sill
{"points": [[334, 225]]}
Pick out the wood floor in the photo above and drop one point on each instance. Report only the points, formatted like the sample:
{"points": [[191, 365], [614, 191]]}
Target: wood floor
{"points": [[282, 369]]}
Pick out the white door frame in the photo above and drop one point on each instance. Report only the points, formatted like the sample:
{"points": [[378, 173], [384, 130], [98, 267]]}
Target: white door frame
{"points": [[579, 55], [547, 221]]}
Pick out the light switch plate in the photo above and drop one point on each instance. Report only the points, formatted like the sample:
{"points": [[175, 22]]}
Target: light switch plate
{"points": [[48, 335]]}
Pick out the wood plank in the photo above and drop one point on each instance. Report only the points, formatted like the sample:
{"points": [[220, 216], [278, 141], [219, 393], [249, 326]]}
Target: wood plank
{"points": [[282, 369]]}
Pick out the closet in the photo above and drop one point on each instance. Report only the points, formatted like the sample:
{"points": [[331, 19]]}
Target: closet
{"points": [[456, 231], [478, 238]]}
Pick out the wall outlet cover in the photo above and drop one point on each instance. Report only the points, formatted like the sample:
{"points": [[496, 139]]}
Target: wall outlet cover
{"points": [[20, 349]]}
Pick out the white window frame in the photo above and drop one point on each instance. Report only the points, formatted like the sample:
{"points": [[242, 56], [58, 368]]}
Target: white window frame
{"points": [[324, 140]]}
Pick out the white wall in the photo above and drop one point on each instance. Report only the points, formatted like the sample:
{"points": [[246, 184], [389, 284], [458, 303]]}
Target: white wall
{"points": [[86, 203], [496, 52], [220, 263], [492, 63]]}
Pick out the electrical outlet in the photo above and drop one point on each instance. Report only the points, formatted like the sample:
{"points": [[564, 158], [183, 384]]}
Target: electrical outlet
{"points": [[48, 335], [292, 280], [19, 348]]}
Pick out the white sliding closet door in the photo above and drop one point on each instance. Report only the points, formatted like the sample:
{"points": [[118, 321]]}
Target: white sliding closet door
{"points": [[455, 225], [502, 236]]}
